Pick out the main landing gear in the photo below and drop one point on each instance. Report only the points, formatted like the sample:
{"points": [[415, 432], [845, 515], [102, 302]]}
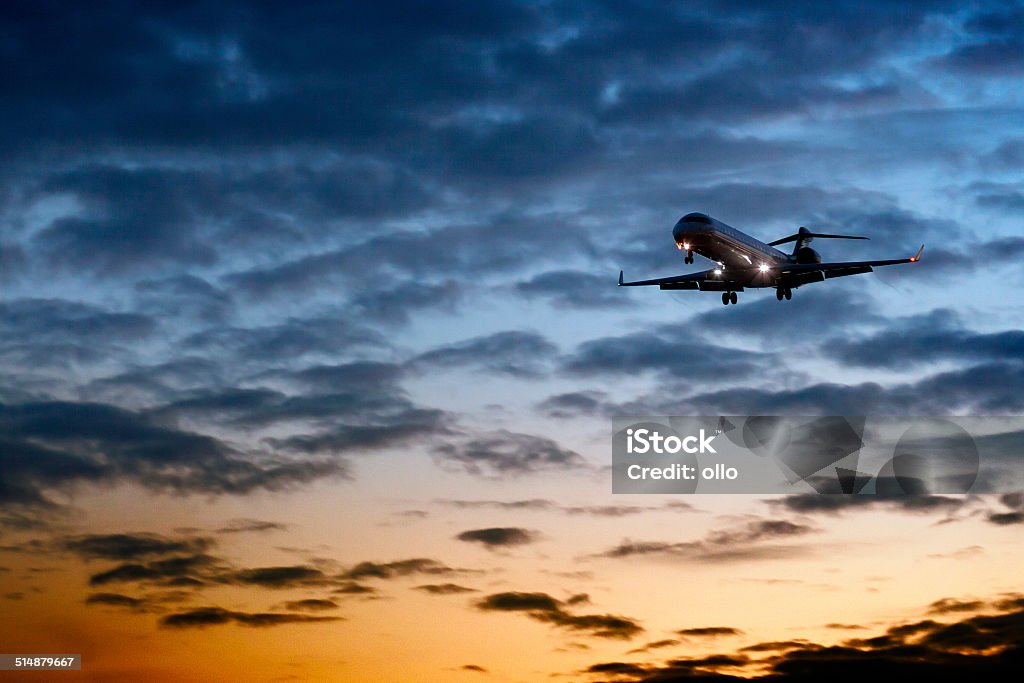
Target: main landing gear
{"points": [[783, 292], [728, 298], [688, 259]]}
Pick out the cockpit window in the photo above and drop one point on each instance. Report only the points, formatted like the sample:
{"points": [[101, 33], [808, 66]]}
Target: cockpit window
{"points": [[696, 218]]}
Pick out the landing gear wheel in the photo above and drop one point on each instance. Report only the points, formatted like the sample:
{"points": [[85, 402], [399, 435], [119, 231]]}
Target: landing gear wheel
{"points": [[725, 298], [732, 297], [789, 293], [688, 258], [779, 293]]}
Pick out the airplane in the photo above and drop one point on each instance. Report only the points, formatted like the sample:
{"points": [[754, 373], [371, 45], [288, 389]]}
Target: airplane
{"points": [[742, 261]]}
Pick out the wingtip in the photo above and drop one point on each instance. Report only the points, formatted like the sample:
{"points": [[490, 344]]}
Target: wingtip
{"points": [[620, 278], [917, 257]]}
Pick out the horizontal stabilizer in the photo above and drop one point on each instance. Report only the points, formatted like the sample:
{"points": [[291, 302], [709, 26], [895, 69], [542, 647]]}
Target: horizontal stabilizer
{"points": [[806, 235]]}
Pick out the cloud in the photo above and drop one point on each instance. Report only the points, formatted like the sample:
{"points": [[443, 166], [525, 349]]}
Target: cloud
{"points": [[515, 353], [766, 318], [310, 605], [498, 537], [655, 645], [132, 546], [709, 632], [277, 577], [203, 617], [185, 570], [986, 388], [245, 525], [573, 404], [1015, 515], [444, 589], [395, 305], [660, 352], [572, 289], [56, 445], [834, 504], [755, 540], [115, 600], [542, 607], [400, 568], [503, 452], [987, 644], [952, 605], [922, 339]]}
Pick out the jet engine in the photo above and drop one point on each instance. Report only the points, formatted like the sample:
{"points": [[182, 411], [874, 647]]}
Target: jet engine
{"points": [[807, 255]]}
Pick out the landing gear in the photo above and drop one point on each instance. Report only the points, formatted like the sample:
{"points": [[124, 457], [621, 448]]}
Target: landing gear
{"points": [[783, 292], [729, 298], [789, 293], [688, 259]]}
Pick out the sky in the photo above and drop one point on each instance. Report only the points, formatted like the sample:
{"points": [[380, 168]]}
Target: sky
{"points": [[311, 342]]}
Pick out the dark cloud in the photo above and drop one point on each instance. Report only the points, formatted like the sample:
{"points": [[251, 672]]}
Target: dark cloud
{"points": [[278, 577], [573, 289], [952, 605], [59, 333], [292, 338], [542, 607], [311, 605], [184, 297], [573, 404], [755, 540], [775, 646], [115, 600], [992, 57], [515, 353], [509, 453], [709, 632], [57, 445], [216, 616], [132, 546], [184, 571], [397, 304], [928, 338], [986, 388], [987, 644], [660, 352], [400, 568], [499, 537], [834, 504], [238, 526], [131, 219], [353, 588], [655, 645], [444, 589], [768, 319], [529, 504]]}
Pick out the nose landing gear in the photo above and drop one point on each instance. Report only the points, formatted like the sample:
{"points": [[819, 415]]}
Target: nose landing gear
{"points": [[688, 259], [729, 298], [783, 292]]}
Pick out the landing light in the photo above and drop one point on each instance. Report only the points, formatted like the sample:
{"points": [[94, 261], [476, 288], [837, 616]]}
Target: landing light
{"points": [[718, 271], [763, 268], [686, 246]]}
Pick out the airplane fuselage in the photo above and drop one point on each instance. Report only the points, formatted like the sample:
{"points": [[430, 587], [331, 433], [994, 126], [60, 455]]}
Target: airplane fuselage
{"points": [[730, 248]]}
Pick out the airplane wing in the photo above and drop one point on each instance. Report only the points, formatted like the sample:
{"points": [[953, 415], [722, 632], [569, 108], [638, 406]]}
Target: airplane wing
{"points": [[688, 279], [841, 268], [788, 274]]}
